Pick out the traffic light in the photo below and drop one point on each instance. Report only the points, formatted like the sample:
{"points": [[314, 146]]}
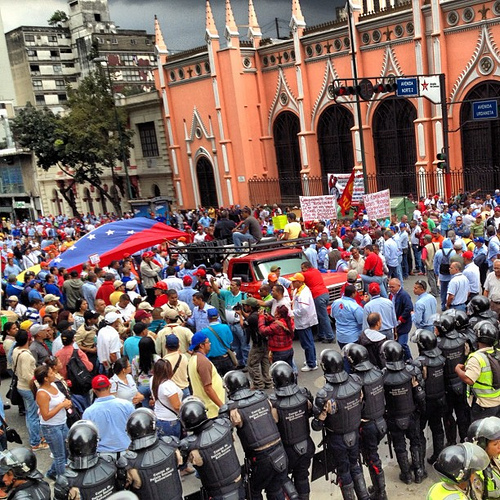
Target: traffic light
{"points": [[384, 88], [442, 163], [345, 90]]}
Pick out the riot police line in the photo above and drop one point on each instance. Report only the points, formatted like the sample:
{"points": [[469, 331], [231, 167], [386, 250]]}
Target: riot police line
{"points": [[356, 408]]}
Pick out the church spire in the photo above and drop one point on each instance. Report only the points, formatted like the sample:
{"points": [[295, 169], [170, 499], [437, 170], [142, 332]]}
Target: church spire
{"points": [[297, 17], [254, 31], [231, 28], [210, 27], [160, 44]]}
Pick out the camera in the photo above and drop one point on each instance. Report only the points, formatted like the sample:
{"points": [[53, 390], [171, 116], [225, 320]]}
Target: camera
{"points": [[237, 307]]}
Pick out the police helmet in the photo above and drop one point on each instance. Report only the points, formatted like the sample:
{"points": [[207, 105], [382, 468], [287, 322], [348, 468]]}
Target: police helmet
{"points": [[455, 464], [332, 365], [478, 304], [82, 445], [444, 323], [425, 339], [236, 381], [193, 413], [141, 428], [487, 332], [284, 379], [357, 356], [393, 354], [21, 461], [461, 319], [481, 432]]}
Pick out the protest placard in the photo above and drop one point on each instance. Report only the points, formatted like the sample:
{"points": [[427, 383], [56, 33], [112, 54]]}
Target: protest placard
{"points": [[279, 222], [378, 205], [318, 207], [337, 183]]}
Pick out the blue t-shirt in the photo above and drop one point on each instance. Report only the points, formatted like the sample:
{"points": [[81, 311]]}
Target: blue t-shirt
{"points": [[131, 347]]}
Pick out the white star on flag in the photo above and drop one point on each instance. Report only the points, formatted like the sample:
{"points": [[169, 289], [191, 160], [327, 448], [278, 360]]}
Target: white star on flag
{"points": [[131, 232], [110, 232], [58, 260], [91, 236], [72, 248]]}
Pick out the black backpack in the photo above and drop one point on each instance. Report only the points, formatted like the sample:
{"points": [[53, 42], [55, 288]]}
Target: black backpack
{"points": [[80, 377], [444, 267]]}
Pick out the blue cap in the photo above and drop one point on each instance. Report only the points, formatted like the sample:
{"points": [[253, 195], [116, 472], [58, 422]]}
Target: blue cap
{"points": [[212, 312], [172, 341], [197, 339], [480, 239]]}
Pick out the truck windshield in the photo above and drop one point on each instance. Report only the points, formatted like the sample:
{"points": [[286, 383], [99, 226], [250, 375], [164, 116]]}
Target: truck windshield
{"points": [[290, 264]]}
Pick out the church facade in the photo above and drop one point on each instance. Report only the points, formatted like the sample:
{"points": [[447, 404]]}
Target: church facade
{"points": [[258, 120]]}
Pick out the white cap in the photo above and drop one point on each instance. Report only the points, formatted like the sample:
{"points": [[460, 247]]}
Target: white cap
{"points": [[146, 306], [130, 285], [37, 328], [111, 317]]}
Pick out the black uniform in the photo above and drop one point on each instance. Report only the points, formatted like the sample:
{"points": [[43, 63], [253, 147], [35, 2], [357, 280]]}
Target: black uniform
{"points": [[432, 363], [452, 345], [488, 315], [35, 488], [153, 470], [261, 442], [294, 407], [211, 450]]}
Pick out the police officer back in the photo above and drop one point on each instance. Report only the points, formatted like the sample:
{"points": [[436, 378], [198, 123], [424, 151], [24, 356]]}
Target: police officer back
{"points": [[210, 449], [88, 476], [373, 426], [479, 309], [151, 462], [251, 413], [337, 411], [293, 405]]}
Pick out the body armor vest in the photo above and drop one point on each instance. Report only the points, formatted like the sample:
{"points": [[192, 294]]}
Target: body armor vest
{"points": [[470, 336], [373, 394], [346, 404], [434, 380], [453, 350], [259, 427], [221, 468], [398, 393], [293, 417], [157, 468], [95, 483], [32, 490]]}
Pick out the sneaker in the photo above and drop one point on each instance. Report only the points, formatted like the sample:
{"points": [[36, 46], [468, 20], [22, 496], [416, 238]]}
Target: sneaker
{"points": [[41, 446], [308, 368], [187, 471]]}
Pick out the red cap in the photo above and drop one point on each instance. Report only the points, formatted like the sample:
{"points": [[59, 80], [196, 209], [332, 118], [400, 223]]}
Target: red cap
{"points": [[345, 255], [147, 254], [161, 285], [200, 272], [141, 314], [100, 382], [44, 264], [187, 280], [374, 289], [468, 255]]}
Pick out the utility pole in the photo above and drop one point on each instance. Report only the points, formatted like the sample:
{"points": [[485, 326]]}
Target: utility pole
{"points": [[446, 141]]}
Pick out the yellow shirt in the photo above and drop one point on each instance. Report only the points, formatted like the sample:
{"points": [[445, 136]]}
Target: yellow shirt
{"points": [[293, 229]]}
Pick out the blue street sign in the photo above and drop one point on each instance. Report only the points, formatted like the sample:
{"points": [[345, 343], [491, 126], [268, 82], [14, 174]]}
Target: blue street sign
{"points": [[407, 87], [484, 110]]}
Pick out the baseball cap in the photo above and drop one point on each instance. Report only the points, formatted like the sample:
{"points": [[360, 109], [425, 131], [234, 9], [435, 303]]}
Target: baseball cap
{"points": [[141, 314], [145, 306], [480, 239], [274, 268], [67, 334], [148, 254], [345, 255], [297, 277], [200, 272], [212, 312], [170, 313], [187, 280], [100, 382], [172, 341], [497, 209], [468, 255], [25, 325], [435, 230], [272, 277], [51, 309], [13, 298], [251, 301], [374, 289], [130, 285], [197, 339], [44, 264], [352, 275], [117, 283], [37, 328], [50, 297], [111, 317], [182, 238], [64, 325]]}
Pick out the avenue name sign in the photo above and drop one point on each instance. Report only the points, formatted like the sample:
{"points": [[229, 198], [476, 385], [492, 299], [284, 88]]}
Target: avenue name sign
{"points": [[485, 110], [407, 87]]}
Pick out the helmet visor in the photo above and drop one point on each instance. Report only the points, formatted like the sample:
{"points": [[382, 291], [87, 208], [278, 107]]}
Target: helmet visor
{"points": [[476, 458]]}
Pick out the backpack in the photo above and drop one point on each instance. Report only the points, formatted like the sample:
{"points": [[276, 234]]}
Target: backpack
{"points": [[79, 376], [444, 267]]}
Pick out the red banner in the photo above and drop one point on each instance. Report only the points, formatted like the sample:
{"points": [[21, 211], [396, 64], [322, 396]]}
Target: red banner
{"points": [[345, 200]]}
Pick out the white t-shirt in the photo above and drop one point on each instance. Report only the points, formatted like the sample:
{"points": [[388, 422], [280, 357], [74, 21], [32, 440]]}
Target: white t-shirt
{"points": [[121, 390], [166, 390], [108, 342]]}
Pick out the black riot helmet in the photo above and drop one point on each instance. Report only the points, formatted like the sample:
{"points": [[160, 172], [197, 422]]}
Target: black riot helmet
{"points": [[357, 356], [193, 413], [332, 365], [478, 304], [444, 323], [455, 464], [236, 381], [284, 379], [141, 428], [461, 319], [393, 354], [487, 332], [21, 461], [425, 339], [82, 445], [481, 432]]}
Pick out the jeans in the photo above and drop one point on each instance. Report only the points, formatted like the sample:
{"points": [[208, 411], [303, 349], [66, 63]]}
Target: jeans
{"points": [[240, 344], [459, 307], [324, 324], [404, 263], [286, 356], [146, 392], [403, 342], [395, 272], [56, 439], [389, 333], [32, 418], [169, 428], [417, 252], [444, 293], [239, 238], [375, 279], [307, 343]]}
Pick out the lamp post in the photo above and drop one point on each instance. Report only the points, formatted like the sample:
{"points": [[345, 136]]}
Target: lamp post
{"points": [[103, 61], [349, 8]]}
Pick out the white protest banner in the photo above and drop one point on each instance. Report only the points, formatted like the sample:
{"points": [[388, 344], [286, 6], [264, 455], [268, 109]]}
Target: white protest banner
{"points": [[94, 259], [337, 183], [378, 205], [318, 207]]}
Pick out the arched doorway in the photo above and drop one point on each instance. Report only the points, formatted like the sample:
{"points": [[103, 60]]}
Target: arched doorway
{"points": [[395, 146], [336, 152], [206, 183], [155, 190], [90, 202], [57, 201], [480, 140], [286, 142]]}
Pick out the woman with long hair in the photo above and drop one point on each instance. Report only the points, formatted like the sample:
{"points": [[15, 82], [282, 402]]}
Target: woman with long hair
{"points": [[52, 404], [142, 367], [122, 382], [167, 399], [81, 305]]}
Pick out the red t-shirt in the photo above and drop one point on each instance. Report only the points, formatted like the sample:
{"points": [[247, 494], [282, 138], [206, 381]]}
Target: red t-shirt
{"points": [[374, 263], [314, 281], [161, 300]]}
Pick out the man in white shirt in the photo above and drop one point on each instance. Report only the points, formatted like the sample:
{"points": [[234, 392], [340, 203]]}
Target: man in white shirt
{"points": [[15, 306], [108, 342], [458, 289], [280, 298], [125, 307], [471, 272]]}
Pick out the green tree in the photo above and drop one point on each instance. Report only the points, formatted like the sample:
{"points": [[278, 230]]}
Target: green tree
{"points": [[83, 142], [58, 18]]}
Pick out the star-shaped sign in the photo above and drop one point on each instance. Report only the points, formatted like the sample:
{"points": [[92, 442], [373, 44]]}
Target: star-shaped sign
{"points": [[131, 232], [425, 85], [110, 232], [91, 236]]}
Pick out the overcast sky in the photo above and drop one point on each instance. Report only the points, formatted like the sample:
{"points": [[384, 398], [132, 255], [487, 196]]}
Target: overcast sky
{"points": [[182, 21]]}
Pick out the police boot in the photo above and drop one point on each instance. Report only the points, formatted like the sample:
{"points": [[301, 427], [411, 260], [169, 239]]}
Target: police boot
{"points": [[404, 466], [437, 445], [289, 490], [418, 465], [378, 482], [360, 487], [348, 491]]}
